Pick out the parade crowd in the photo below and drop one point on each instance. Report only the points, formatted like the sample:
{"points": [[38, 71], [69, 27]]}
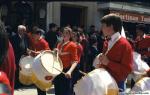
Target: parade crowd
{"points": [[77, 49]]}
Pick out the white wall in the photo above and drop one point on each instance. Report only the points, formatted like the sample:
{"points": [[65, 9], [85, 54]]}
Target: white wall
{"points": [[54, 10]]}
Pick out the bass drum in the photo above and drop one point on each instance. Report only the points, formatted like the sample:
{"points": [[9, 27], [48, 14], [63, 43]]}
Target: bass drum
{"points": [[96, 82], [46, 67], [25, 74]]}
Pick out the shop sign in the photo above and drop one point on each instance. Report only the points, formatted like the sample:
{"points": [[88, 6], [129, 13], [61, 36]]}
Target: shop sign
{"points": [[132, 17]]}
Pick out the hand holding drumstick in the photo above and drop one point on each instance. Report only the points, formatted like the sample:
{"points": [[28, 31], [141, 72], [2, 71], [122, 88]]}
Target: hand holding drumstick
{"points": [[32, 52], [104, 59]]}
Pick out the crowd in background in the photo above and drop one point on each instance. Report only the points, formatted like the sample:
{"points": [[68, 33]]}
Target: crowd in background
{"points": [[91, 44]]}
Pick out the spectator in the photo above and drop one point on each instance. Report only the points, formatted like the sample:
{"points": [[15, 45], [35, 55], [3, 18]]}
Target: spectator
{"points": [[20, 43], [51, 36]]}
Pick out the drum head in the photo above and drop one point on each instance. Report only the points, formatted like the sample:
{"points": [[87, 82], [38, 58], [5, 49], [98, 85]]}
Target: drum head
{"points": [[50, 63], [25, 62]]}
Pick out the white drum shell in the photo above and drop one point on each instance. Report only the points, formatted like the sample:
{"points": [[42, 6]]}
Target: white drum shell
{"points": [[97, 82], [139, 67], [40, 71]]}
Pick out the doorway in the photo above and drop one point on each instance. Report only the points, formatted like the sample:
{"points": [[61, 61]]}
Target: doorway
{"points": [[74, 16]]}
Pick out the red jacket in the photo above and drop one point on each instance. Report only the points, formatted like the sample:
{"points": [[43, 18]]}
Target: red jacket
{"points": [[9, 66], [121, 59], [4, 80], [68, 54], [143, 45], [42, 44]]}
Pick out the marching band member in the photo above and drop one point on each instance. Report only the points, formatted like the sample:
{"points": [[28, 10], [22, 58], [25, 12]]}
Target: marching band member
{"points": [[68, 54], [143, 43], [118, 58], [7, 59], [38, 44], [5, 88]]}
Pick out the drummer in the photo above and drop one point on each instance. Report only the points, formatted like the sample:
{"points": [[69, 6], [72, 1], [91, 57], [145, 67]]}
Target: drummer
{"points": [[118, 58], [68, 54], [38, 44]]}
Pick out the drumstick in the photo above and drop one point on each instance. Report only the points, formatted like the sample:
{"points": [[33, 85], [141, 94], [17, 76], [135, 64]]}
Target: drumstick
{"points": [[64, 72], [83, 73], [59, 71]]}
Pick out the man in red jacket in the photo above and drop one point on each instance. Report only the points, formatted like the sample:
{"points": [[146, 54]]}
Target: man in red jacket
{"points": [[143, 43], [118, 57]]}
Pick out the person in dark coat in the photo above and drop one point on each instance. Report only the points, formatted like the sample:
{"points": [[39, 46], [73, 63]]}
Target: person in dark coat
{"points": [[51, 36], [20, 45], [93, 52]]}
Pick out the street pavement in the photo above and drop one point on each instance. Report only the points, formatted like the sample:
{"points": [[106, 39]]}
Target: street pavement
{"points": [[33, 91]]}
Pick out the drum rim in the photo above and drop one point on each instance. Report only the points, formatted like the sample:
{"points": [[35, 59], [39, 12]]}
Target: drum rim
{"points": [[59, 60]]}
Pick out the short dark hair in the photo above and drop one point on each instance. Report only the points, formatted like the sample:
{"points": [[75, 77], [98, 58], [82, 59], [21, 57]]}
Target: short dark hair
{"points": [[141, 27], [37, 31], [114, 20], [93, 39], [52, 25], [4, 44]]}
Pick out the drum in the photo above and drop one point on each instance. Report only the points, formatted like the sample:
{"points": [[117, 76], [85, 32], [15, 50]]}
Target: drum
{"points": [[139, 68], [96, 82], [96, 61], [142, 85], [25, 74], [46, 66]]}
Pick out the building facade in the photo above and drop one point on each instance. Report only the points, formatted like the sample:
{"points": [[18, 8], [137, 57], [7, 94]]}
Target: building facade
{"points": [[131, 14], [73, 13], [41, 13]]}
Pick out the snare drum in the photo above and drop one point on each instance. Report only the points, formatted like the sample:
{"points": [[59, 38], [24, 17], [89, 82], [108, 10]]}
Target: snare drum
{"points": [[97, 82], [25, 74], [46, 67], [142, 85]]}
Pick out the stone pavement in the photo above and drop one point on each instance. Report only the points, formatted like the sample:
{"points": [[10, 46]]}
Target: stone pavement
{"points": [[32, 91]]}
